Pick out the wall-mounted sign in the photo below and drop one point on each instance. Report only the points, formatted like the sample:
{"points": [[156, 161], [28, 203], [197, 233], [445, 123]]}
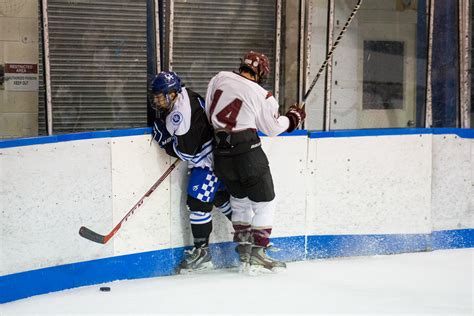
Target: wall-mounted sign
{"points": [[21, 77]]}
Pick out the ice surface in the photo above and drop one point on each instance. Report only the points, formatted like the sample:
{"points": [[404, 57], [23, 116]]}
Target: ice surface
{"points": [[439, 282]]}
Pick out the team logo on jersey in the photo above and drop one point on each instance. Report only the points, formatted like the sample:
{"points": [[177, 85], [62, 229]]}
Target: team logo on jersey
{"points": [[176, 118]]}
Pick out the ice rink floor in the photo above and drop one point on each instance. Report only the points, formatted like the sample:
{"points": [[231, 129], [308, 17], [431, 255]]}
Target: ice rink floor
{"points": [[430, 283]]}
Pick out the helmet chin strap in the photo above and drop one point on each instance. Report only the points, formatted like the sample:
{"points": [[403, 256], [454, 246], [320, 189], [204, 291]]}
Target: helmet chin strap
{"points": [[259, 79], [170, 101], [252, 77], [163, 111]]}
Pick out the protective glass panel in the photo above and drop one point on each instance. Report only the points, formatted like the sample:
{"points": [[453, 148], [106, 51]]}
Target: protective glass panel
{"points": [[382, 80], [317, 30], [379, 67]]}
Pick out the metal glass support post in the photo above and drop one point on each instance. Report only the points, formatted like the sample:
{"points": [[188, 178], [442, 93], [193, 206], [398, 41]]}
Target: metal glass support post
{"points": [[156, 18], [328, 79], [301, 49], [429, 99], [277, 49], [170, 31], [47, 68], [307, 46], [464, 12]]}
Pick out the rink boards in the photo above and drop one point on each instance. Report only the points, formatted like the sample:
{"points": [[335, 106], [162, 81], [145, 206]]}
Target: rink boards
{"points": [[344, 193]]}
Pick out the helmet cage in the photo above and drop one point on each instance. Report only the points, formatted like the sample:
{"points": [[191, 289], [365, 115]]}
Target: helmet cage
{"points": [[165, 83]]}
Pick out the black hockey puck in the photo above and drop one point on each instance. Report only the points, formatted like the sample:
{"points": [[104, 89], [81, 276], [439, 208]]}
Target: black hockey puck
{"points": [[105, 289]]}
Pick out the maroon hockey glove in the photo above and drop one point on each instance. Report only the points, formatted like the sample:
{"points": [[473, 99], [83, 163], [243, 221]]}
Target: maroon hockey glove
{"points": [[296, 115]]}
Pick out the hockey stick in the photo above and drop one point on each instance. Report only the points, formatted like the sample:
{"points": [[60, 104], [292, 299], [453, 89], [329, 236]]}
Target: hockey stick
{"points": [[331, 51], [98, 238]]}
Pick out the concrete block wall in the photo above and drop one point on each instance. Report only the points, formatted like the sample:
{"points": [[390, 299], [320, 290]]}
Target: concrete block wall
{"points": [[18, 44]]}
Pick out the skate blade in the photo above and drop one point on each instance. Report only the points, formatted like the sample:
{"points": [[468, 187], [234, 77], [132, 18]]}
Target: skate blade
{"points": [[202, 268], [244, 267], [258, 270], [278, 269]]}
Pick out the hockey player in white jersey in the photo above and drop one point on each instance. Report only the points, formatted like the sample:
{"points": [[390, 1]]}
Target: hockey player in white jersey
{"points": [[237, 107], [183, 130]]}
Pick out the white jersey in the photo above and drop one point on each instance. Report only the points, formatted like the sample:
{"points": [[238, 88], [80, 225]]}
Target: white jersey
{"points": [[192, 135], [178, 121], [236, 103]]}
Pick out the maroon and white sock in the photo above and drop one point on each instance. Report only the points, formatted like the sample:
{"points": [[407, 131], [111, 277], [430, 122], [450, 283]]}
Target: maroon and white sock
{"points": [[261, 237]]}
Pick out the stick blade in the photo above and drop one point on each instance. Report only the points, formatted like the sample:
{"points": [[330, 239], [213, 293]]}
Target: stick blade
{"points": [[91, 235]]}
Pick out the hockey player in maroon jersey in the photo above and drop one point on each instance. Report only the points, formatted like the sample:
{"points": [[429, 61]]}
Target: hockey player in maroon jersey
{"points": [[237, 107], [183, 130]]}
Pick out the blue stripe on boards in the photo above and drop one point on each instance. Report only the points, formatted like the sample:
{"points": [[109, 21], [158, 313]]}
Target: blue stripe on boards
{"points": [[448, 239], [25, 284], [288, 248], [71, 137], [163, 262], [461, 132], [327, 246], [298, 132]]}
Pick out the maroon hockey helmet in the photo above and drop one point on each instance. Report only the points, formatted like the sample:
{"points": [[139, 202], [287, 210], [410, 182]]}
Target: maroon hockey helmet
{"points": [[258, 63]]}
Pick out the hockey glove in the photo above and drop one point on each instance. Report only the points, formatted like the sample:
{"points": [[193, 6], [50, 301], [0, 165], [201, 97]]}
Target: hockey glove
{"points": [[296, 115], [161, 134]]}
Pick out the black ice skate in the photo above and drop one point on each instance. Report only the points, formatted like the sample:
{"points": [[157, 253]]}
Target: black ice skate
{"points": [[260, 262], [244, 247], [196, 259], [244, 250]]}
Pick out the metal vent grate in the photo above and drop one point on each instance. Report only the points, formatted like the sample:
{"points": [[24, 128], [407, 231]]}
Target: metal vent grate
{"points": [[98, 53], [210, 36]]}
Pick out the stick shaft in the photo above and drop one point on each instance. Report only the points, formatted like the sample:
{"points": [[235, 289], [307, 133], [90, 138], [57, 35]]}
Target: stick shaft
{"points": [[93, 236], [331, 51]]}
